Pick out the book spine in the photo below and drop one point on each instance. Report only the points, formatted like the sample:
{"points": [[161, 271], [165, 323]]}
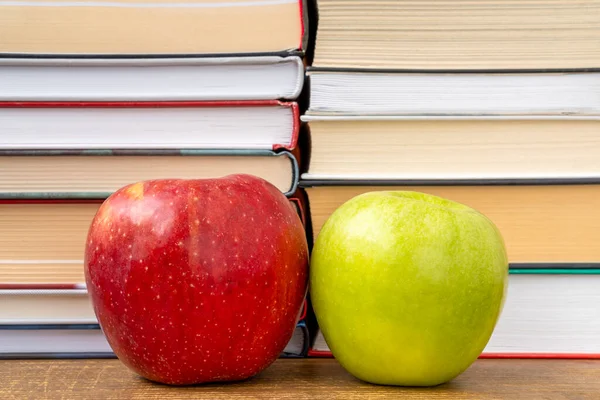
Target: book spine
{"points": [[295, 173], [303, 310], [295, 128], [300, 78], [300, 208], [303, 14], [305, 343]]}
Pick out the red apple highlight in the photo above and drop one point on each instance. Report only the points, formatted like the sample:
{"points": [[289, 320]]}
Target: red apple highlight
{"points": [[197, 281]]}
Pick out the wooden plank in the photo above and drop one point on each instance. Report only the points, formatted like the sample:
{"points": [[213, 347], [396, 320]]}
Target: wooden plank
{"points": [[300, 379]]}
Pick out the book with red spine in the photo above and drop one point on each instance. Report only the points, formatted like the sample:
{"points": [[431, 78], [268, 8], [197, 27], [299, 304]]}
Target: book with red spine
{"points": [[149, 125]]}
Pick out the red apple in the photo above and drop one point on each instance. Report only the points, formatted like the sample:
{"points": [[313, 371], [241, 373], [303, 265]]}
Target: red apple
{"points": [[197, 281]]}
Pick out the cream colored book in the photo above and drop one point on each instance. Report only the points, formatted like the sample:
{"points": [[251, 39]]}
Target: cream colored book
{"points": [[453, 148], [547, 224], [456, 34], [26, 306], [145, 27], [97, 174], [42, 243]]}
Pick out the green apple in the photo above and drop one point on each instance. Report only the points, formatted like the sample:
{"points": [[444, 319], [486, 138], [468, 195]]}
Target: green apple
{"points": [[407, 287]]}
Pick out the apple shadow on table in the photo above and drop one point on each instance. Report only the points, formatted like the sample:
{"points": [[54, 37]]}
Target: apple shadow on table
{"points": [[197, 385], [340, 376], [231, 383], [442, 386]]}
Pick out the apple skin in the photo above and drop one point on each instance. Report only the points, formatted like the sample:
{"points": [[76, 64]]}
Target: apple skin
{"points": [[197, 281], [407, 287]]}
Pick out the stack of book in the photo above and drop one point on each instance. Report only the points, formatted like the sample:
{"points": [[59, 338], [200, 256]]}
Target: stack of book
{"points": [[97, 95], [492, 104]]}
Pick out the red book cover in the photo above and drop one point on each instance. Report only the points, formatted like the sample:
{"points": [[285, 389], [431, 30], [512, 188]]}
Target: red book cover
{"points": [[303, 13], [319, 353], [298, 200], [302, 314], [291, 145]]}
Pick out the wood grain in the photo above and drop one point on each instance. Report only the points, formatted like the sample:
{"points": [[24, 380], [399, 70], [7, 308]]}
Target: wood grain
{"points": [[300, 379]]}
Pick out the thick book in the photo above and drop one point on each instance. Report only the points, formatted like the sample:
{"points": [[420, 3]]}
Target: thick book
{"points": [[88, 341], [84, 174], [150, 27], [299, 344], [545, 315], [543, 224], [58, 321], [44, 304], [53, 341], [180, 125], [151, 79], [549, 314], [41, 246], [342, 92], [458, 35], [453, 148]]}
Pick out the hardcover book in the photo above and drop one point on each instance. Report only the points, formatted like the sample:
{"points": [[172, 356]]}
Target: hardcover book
{"points": [[27, 304], [547, 223], [87, 341], [458, 35], [96, 174], [58, 321], [452, 148], [363, 92], [151, 79], [179, 125], [41, 247], [150, 27], [547, 314]]}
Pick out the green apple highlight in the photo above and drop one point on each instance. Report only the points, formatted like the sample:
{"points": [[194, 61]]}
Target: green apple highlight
{"points": [[407, 287]]}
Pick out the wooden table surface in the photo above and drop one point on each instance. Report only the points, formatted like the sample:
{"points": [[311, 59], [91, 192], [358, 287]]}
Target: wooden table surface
{"points": [[300, 379]]}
